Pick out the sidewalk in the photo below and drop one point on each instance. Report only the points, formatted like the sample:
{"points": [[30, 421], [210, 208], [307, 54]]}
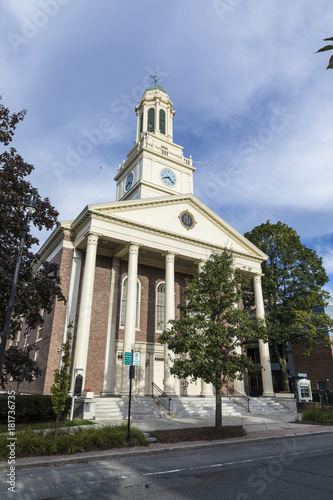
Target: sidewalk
{"points": [[251, 423], [258, 428]]}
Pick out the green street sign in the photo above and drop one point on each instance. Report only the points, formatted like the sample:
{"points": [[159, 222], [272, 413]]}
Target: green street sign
{"points": [[128, 359]]}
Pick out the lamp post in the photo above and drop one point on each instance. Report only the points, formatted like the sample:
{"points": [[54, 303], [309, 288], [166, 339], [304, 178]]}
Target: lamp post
{"points": [[30, 209]]}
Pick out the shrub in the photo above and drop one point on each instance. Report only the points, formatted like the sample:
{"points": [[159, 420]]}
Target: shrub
{"points": [[41, 443], [31, 408], [321, 415]]}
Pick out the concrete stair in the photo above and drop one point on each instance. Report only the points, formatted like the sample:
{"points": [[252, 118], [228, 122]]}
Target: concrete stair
{"points": [[116, 408], [267, 406], [203, 407]]}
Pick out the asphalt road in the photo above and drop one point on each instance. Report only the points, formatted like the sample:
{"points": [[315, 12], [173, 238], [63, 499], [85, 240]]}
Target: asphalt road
{"points": [[287, 468]]}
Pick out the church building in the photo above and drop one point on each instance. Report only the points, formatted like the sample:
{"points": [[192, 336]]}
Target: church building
{"points": [[123, 265]]}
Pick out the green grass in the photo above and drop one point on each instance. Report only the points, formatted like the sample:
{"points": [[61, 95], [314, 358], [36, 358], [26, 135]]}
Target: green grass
{"points": [[39, 443], [323, 415], [47, 425]]}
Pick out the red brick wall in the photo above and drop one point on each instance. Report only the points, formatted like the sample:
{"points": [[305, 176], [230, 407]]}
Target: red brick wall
{"points": [[318, 366], [59, 316], [51, 334], [149, 278]]}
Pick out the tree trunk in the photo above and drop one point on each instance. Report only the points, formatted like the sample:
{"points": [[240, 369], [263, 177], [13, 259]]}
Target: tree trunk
{"points": [[282, 360], [57, 424], [218, 409]]}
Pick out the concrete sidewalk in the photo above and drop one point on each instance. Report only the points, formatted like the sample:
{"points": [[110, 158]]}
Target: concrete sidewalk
{"points": [[251, 423], [258, 428]]}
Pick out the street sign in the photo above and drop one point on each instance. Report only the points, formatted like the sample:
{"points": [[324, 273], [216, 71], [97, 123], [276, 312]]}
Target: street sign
{"points": [[136, 358], [128, 359]]}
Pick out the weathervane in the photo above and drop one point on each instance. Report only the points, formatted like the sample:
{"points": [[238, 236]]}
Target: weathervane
{"points": [[155, 78]]}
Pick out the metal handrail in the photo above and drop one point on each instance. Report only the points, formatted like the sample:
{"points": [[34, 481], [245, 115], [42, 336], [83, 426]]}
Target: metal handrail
{"points": [[239, 398], [162, 395]]}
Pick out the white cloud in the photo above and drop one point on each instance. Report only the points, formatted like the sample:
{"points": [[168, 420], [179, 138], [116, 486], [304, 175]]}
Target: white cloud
{"points": [[225, 74]]}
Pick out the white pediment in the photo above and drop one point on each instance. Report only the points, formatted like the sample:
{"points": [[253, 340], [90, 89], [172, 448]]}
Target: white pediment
{"points": [[163, 214]]}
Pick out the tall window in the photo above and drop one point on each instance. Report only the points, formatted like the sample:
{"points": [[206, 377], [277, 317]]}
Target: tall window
{"points": [[123, 303], [160, 306], [162, 121], [39, 333], [151, 120]]}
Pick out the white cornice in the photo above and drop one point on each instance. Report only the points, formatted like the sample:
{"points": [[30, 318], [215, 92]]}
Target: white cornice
{"points": [[171, 235], [173, 199], [55, 239]]}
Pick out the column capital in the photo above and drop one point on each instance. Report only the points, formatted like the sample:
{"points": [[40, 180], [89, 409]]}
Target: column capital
{"points": [[200, 264], [92, 239], [170, 257], [257, 277], [133, 249]]}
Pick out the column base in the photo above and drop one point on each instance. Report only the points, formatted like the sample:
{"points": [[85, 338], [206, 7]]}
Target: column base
{"points": [[268, 394]]}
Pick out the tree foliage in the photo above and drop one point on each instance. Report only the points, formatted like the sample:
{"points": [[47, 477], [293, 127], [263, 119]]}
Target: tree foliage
{"points": [[62, 380], [292, 287], [19, 366], [211, 328], [35, 290], [325, 48]]}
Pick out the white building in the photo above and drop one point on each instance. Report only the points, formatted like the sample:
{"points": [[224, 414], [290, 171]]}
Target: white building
{"points": [[123, 265]]}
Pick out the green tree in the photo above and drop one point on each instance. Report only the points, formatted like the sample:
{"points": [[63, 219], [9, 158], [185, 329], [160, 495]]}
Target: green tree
{"points": [[62, 380], [19, 366], [327, 47], [292, 287], [205, 339], [36, 290]]}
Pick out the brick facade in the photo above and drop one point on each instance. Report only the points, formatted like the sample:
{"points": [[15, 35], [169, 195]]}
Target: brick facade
{"points": [[318, 366]]}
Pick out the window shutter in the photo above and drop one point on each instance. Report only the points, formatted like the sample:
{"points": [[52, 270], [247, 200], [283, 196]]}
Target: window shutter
{"points": [[141, 123], [162, 121], [151, 120]]}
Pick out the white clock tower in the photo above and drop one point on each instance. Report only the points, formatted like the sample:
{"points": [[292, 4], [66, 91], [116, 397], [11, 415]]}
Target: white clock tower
{"points": [[155, 166]]}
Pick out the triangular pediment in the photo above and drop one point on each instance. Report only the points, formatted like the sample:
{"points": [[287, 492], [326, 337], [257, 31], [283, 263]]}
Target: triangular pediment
{"points": [[165, 214]]}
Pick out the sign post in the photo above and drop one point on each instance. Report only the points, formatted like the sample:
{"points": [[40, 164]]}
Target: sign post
{"points": [[131, 359], [131, 375]]}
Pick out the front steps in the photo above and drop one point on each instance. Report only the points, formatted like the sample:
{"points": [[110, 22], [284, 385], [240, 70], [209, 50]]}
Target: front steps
{"points": [[116, 408]]}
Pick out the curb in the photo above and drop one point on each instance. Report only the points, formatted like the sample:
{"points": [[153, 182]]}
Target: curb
{"points": [[53, 462]]}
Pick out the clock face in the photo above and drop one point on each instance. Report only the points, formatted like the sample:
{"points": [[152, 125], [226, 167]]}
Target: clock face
{"points": [[129, 181], [187, 220], [168, 177]]}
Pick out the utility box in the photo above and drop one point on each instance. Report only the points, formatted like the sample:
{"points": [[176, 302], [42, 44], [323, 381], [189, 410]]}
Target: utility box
{"points": [[303, 390]]}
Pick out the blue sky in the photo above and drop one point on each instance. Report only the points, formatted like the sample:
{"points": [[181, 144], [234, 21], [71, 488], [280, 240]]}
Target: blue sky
{"points": [[250, 96]]}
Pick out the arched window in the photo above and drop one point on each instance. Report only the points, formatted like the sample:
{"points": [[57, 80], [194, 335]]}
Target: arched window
{"points": [[141, 123], [162, 121], [160, 306], [123, 303], [151, 120]]}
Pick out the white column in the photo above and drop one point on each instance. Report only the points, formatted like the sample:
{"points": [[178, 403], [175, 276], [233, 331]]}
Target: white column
{"points": [[206, 389], [239, 384], [157, 116], [109, 380], [130, 312], [171, 385], [266, 371], [83, 327], [138, 126], [145, 118]]}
